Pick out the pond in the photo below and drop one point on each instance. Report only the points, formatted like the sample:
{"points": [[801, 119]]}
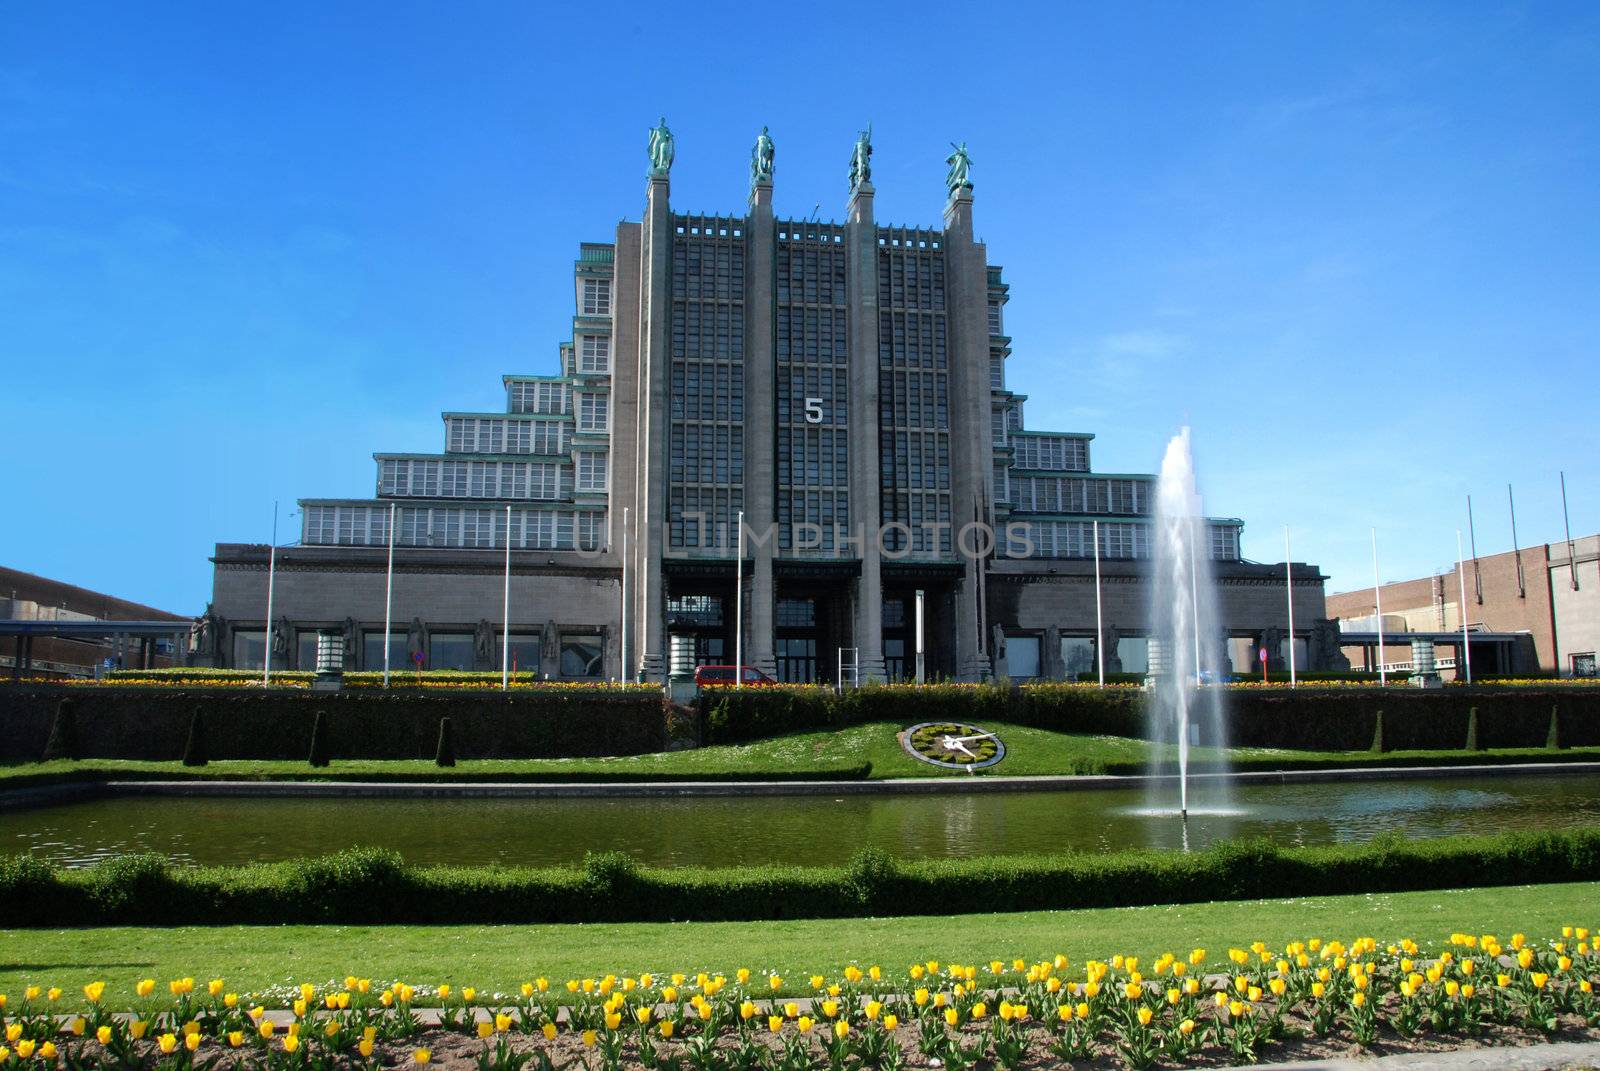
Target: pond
{"points": [[802, 830]]}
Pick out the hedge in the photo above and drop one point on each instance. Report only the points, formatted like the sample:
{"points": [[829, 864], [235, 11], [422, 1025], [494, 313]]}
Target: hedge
{"points": [[153, 723], [1312, 719], [365, 886]]}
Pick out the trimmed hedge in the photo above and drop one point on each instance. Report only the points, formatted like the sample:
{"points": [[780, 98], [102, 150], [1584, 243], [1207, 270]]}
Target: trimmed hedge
{"points": [[153, 723], [1309, 719], [365, 886]]}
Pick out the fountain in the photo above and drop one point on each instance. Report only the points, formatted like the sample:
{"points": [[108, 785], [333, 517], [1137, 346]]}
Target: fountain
{"points": [[1184, 626]]}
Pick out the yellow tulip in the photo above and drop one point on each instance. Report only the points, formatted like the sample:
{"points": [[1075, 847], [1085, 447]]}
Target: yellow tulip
{"points": [[231, 1000], [873, 1008], [774, 1023], [421, 1056], [468, 994], [1235, 1009], [265, 1028], [920, 997], [32, 992], [103, 1035], [1144, 1016], [137, 1028], [1359, 999], [236, 1038], [166, 1043], [747, 1010], [444, 994], [485, 1029], [891, 1021], [774, 982], [1186, 1027], [191, 1042], [830, 1008], [952, 1016], [93, 990], [364, 1047], [804, 1024], [291, 1043], [502, 1022], [549, 1031], [840, 1029], [47, 1051], [613, 1020]]}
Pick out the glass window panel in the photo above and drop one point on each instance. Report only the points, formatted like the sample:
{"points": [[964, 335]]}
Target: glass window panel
{"points": [[249, 650], [582, 657], [1077, 656], [372, 652], [1134, 651], [1022, 656], [450, 650]]}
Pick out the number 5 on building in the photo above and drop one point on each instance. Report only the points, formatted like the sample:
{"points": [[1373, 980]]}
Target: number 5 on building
{"points": [[813, 410]]}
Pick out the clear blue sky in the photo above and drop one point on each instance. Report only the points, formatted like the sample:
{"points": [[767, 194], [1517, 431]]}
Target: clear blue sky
{"points": [[1356, 246]]}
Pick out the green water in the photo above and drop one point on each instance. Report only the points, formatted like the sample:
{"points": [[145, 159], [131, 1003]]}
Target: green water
{"points": [[804, 830]]}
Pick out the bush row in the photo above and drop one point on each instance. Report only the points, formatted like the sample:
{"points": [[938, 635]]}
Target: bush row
{"points": [[373, 886], [141, 723], [1326, 719]]}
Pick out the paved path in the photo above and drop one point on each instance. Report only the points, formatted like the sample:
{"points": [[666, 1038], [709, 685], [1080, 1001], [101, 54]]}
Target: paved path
{"points": [[1552, 1057]]}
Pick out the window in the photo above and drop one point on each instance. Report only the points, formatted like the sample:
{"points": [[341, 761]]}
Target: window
{"points": [[1077, 657], [1583, 665], [1134, 654], [525, 648], [594, 353], [995, 325], [596, 299], [591, 470], [305, 645], [450, 650], [582, 657], [797, 613], [1224, 543], [1022, 656], [592, 412], [249, 650], [997, 373], [372, 652]]}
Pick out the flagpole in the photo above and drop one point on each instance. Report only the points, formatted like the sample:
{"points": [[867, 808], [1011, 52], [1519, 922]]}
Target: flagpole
{"points": [[1288, 591], [738, 610], [388, 597], [272, 576], [1461, 575], [505, 615], [1377, 597], [622, 595], [1099, 617]]}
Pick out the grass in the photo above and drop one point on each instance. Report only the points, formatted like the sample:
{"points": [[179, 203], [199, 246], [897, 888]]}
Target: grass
{"points": [[825, 754], [500, 958]]}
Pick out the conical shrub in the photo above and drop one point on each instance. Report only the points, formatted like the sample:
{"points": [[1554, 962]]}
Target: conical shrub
{"points": [[319, 741], [194, 749], [1377, 734], [63, 741], [444, 753], [1552, 739], [1472, 729]]}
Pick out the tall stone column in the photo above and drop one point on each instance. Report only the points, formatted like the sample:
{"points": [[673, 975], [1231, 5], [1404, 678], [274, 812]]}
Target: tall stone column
{"points": [[655, 361], [971, 451], [760, 413], [861, 279], [626, 447]]}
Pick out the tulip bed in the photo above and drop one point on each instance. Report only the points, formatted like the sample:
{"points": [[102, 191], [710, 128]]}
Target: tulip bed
{"points": [[1310, 996]]}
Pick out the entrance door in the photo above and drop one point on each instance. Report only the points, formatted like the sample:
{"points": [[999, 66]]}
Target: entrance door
{"points": [[796, 640]]}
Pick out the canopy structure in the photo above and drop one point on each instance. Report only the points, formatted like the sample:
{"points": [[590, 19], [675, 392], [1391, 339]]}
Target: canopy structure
{"points": [[122, 638]]}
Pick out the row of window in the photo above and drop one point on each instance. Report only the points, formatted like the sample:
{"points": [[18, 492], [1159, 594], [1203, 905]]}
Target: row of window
{"points": [[1080, 662], [812, 334], [912, 280], [594, 297], [1048, 452], [810, 274], [1118, 539], [707, 330], [823, 507], [505, 435], [707, 390], [581, 654], [704, 517], [441, 478], [549, 397], [812, 457], [454, 526], [914, 460], [926, 514], [708, 267], [1079, 494], [594, 354], [705, 453], [913, 399], [912, 340]]}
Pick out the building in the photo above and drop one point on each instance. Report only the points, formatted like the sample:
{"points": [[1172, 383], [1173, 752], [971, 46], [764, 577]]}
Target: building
{"points": [[61, 630], [838, 387], [1531, 610]]}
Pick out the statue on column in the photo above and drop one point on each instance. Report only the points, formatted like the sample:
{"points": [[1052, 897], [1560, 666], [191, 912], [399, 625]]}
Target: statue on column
{"points": [[661, 150], [550, 651], [281, 634], [352, 642], [861, 160], [761, 160], [997, 651], [1113, 660], [957, 178], [1326, 653]]}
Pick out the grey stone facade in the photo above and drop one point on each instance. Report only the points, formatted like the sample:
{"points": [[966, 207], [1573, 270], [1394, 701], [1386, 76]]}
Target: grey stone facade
{"points": [[838, 386]]}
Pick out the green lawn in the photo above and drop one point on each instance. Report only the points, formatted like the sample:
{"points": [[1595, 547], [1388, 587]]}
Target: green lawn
{"points": [[824, 754], [499, 958]]}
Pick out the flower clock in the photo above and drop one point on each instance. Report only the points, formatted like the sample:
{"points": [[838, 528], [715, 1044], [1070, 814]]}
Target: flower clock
{"points": [[952, 745]]}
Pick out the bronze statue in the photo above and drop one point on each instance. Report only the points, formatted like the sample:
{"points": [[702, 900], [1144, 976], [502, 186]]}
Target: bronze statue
{"points": [[861, 160], [761, 160], [483, 641], [281, 636], [661, 150], [957, 178]]}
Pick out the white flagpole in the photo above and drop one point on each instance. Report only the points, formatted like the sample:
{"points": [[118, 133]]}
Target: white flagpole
{"points": [[1377, 599], [1099, 622], [622, 595], [1288, 590], [1466, 649], [272, 576], [738, 611], [1194, 601], [388, 597], [505, 615]]}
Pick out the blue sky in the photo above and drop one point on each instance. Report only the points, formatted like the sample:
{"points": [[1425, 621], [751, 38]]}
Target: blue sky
{"points": [[1356, 246]]}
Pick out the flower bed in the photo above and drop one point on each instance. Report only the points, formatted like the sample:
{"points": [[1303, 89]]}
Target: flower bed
{"points": [[1316, 996]]}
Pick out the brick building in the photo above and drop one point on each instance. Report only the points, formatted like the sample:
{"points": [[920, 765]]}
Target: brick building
{"points": [[26, 598]]}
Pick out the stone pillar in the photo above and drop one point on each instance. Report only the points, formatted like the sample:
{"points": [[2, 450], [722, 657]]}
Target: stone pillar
{"points": [[760, 414], [1050, 665], [861, 280], [971, 451], [626, 449], [655, 360]]}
